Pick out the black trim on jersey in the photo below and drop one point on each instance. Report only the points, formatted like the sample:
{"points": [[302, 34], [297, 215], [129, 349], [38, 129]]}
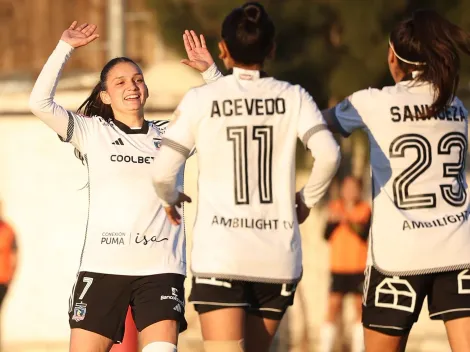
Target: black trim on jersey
{"points": [[70, 128], [176, 147], [126, 129], [85, 158], [160, 123], [311, 132]]}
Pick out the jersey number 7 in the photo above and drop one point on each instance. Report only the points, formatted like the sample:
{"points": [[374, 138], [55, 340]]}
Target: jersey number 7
{"points": [[238, 135], [454, 170]]}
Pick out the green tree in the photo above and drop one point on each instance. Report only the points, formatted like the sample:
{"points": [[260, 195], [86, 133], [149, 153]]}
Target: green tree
{"points": [[331, 48]]}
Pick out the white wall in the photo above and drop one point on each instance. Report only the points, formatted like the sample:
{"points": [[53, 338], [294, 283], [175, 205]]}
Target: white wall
{"points": [[39, 185]]}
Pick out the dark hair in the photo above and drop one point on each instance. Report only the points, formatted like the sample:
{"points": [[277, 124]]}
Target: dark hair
{"points": [[93, 105], [248, 32], [430, 44]]}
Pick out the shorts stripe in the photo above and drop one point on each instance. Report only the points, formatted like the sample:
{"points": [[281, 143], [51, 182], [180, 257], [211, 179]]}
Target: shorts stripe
{"points": [[385, 327], [268, 309], [221, 304], [366, 286], [72, 296], [449, 311]]}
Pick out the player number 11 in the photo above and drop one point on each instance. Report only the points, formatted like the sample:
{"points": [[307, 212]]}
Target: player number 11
{"points": [[238, 135]]}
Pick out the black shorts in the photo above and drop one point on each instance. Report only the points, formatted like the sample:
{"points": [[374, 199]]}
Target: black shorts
{"points": [[99, 302], [347, 283], [392, 304], [262, 299]]}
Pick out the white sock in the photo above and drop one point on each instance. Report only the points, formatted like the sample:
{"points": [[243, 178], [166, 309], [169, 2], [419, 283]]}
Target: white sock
{"points": [[357, 341], [327, 337], [159, 346]]}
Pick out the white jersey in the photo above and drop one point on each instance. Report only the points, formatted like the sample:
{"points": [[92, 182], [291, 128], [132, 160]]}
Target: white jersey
{"points": [[420, 195], [245, 128], [127, 231]]}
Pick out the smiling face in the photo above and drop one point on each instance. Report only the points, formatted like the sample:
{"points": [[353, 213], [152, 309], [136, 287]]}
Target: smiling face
{"points": [[126, 90]]}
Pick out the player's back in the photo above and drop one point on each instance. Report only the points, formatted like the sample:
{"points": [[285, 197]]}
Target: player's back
{"points": [[246, 140], [418, 172]]}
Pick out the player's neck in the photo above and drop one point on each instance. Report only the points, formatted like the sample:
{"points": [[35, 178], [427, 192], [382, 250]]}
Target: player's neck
{"points": [[254, 67], [131, 119]]}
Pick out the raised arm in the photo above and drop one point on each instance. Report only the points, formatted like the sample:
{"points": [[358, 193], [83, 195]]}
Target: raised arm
{"points": [[41, 101], [177, 144], [199, 57]]}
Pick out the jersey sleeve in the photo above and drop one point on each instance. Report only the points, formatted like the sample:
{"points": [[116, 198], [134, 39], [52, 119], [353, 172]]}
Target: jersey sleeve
{"points": [[212, 74], [310, 118], [177, 144], [313, 132], [350, 114], [179, 132], [70, 127]]}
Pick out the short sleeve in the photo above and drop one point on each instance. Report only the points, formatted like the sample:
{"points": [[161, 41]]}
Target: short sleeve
{"points": [[310, 118], [350, 114], [179, 133]]}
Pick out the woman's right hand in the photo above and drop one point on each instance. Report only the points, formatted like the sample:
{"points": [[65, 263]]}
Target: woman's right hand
{"points": [[199, 57], [79, 36]]}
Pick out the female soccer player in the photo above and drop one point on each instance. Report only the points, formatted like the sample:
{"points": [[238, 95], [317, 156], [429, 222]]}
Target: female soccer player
{"points": [[246, 256], [132, 255], [420, 243]]}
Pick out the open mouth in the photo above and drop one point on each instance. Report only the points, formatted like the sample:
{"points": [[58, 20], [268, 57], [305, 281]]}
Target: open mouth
{"points": [[132, 97]]}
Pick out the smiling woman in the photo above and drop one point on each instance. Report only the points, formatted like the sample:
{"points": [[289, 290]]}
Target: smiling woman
{"points": [[132, 254], [112, 100]]}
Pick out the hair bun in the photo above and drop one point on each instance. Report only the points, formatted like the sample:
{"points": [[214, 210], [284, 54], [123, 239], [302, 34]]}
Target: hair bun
{"points": [[253, 12]]}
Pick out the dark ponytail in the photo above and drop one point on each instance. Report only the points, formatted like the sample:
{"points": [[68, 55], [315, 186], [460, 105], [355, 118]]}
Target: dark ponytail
{"points": [[248, 32], [93, 105], [430, 44]]}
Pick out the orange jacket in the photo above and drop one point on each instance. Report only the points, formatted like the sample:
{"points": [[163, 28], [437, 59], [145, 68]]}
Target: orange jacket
{"points": [[348, 248], [7, 248]]}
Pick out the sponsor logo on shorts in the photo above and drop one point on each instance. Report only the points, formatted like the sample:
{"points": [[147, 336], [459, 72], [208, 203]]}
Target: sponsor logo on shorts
{"points": [[395, 293], [177, 308], [79, 312], [463, 279], [174, 297]]}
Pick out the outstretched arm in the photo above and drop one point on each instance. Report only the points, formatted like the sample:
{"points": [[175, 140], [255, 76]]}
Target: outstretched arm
{"points": [[199, 57], [41, 101]]}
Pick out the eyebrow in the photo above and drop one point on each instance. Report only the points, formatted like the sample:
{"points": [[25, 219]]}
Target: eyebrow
{"points": [[122, 77]]}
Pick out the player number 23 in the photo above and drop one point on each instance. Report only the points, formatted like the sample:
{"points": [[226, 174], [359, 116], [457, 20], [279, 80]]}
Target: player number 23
{"points": [[453, 170]]}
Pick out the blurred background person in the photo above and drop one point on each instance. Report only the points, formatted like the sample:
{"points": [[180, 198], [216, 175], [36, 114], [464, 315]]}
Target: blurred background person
{"points": [[8, 257], [346, 231]]}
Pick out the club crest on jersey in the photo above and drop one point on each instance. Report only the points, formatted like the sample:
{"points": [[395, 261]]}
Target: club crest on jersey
{"points": [[79, 312], [157, 142]]}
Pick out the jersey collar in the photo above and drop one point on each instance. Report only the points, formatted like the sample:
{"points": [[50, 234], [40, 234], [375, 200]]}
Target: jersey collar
{"points": [[126, 129], [409, 81], [248, 75]]}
